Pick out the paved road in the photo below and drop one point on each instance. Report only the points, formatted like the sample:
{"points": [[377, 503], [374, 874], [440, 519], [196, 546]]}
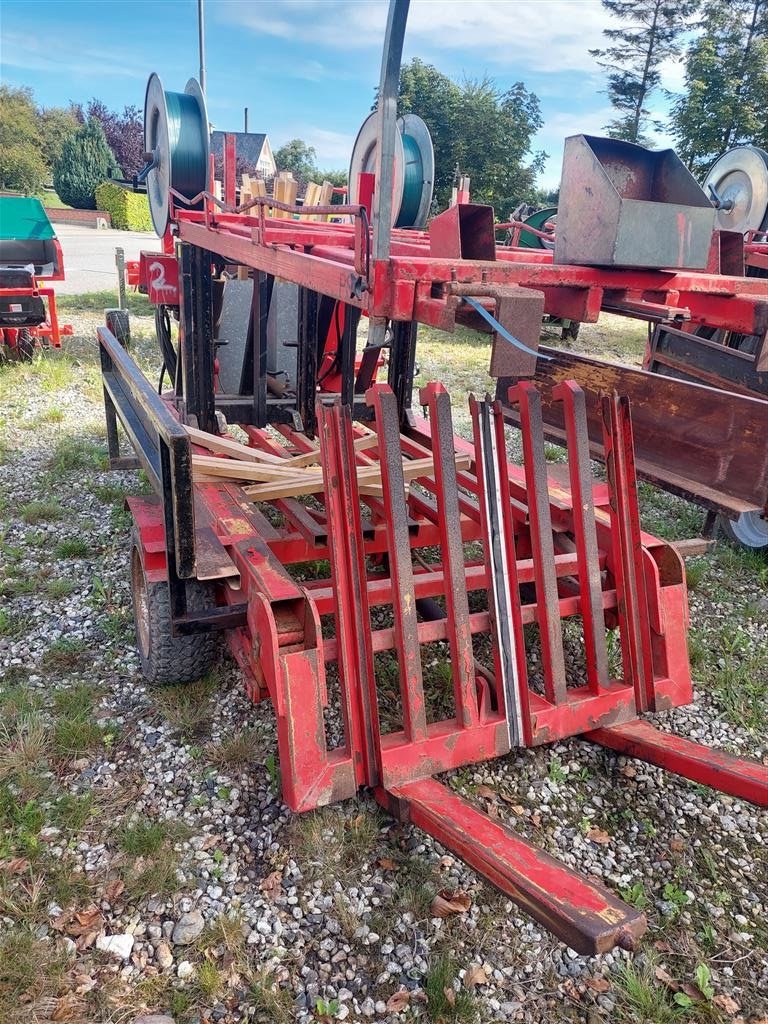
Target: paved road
{"points": [[89, 256]]}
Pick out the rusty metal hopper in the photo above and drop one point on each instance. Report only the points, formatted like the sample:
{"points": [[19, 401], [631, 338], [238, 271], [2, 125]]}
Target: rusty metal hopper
{"points": [[625, 206]]}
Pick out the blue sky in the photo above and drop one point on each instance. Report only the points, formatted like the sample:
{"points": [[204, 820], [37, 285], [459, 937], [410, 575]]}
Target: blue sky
{"points": [[307, 68]]}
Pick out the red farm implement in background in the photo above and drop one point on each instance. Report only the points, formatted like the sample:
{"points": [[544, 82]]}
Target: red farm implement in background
{"points": [[30, 254], [430, 538]]}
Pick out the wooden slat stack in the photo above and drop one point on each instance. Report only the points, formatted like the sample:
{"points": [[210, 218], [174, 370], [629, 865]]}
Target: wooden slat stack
{"points": [[270, 477]]}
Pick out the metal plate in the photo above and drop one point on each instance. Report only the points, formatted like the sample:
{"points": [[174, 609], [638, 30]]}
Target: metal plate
{"points": [[412, 124], [741, 175], [364, 161]]}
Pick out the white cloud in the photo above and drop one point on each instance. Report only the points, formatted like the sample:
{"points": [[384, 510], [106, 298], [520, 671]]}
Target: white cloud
{"points": [[36, 52], [549, 35], [556, 130], [673, 74]]}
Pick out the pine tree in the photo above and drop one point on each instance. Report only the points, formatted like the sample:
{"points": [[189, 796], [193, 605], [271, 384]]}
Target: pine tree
{"points": [[85, 161], [650, 35], [725, 103]]}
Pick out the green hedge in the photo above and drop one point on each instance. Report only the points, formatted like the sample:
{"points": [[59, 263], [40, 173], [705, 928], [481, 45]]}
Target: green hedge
{"points": [[129, 210]]}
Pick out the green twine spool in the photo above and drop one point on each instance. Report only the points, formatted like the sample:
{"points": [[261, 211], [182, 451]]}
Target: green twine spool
{"points": [[189, 157], [413, 183], [536, 220]]}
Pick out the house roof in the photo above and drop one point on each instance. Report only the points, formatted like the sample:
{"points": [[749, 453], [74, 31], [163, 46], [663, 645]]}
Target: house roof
{"points": [[248, 145]]}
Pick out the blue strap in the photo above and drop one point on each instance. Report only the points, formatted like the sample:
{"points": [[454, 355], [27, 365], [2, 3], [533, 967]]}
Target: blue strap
{"points": [[499, 329]]}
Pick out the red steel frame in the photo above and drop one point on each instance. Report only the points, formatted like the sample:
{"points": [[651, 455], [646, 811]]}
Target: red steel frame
{"points": [[551, 552], [51, 328], [331, 258]]}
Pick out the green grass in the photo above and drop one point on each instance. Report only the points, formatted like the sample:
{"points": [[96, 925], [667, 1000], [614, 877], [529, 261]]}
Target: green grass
{"points": [[243, 749], [40, 419], [188, 707], [732, 666], [73, 737], [641, 999], [695, 572], [145, 838], [667, 516], [30, 969], [51, 199], [97, 302], [63, 655], [11, 626], [72, 454], [157, 878], [41, 512], [71, 813], [60, 588], [109, 493], [72, 548], [442, 971]]}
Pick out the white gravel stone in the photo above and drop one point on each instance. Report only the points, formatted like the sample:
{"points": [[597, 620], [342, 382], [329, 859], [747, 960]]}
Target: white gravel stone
{"points": [[119, 946]]}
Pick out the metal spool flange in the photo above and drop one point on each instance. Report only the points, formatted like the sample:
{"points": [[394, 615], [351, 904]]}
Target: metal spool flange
{"points": [[419, 172], [413, 170], [740, 181], [176, 134]]}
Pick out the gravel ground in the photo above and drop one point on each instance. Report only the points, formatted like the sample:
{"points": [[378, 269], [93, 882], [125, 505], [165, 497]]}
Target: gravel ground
{"points": [[147, 864]]}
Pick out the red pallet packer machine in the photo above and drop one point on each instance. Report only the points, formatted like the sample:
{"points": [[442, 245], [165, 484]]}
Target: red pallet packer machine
{"points": [[429, 536]]}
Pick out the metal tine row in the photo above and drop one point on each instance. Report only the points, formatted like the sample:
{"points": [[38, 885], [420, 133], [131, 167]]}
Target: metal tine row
{"points": [[498, 525]]}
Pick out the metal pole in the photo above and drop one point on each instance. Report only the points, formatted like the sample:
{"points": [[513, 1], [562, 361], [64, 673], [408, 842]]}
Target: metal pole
{"points": [[245, 129], [201, 39], [386, 126], [120, 264]]}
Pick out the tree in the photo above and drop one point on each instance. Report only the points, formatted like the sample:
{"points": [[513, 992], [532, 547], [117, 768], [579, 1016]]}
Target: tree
{"points": [[650, 35], [124, 134], [85, 161], [725, 102], [339, 179], [298, 158], [22, 169], [477, 129], [22, 166], [57, 124]]}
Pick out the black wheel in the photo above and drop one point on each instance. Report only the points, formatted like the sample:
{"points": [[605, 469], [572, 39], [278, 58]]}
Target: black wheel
{"points": [[167, 659], [25, 345]]}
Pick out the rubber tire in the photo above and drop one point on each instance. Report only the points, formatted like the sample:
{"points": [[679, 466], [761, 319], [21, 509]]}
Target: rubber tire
{"points": [[748, 536], [571, 332], [25, 345], [168, 660]]}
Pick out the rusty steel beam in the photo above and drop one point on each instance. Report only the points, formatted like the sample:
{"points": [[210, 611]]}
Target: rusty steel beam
{"points": [[739, 776], [582, 913], [702, 443]]}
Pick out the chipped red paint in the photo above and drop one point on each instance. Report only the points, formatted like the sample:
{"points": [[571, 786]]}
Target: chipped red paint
{"points": [[582, 913], [738, 776]]}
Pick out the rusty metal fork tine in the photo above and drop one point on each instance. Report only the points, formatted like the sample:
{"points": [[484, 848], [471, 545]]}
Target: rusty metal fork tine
{"points": [[436, 398], [382, 399], [628, 567], [575, 417], [353, 620], [547, 598]]}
